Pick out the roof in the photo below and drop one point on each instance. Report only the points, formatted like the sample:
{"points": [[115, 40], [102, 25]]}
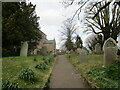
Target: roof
{"points": [[42, 32]]}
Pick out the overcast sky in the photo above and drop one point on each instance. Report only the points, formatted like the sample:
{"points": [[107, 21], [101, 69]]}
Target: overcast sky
{"points": [[52, 14]]}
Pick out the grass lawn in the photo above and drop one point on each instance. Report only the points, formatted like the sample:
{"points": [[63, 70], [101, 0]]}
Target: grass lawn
{"points": [[93, 71], [11, 67]]}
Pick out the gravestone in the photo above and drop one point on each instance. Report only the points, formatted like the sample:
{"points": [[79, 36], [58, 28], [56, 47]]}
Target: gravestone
{"points": [[43, 51], [68, 52], [98, 48], [110, 51], [71, 51], [24, 49], [78, 50], [83, 55]]}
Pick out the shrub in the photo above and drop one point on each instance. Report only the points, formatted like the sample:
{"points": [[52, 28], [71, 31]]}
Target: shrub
{"points": [[55, 55], [5, 52], [27, 75], [112, 71], [9, 85], [43, 58], [107, 76], [41, 66], [34, 59], [47, 62]]}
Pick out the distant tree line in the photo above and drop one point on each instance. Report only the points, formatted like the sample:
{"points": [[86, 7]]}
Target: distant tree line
{"points": [[19, 24]]}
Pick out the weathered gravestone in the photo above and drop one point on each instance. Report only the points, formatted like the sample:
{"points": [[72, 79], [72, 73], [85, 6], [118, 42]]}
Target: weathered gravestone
{"points": [[83, 55], [71, 51], [98, 48], [78, 50], [24, 49], [68, 52], [43, 51], [110, 51]]}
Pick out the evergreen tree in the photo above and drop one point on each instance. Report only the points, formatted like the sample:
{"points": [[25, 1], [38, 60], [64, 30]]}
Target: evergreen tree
{"points": [[78, 43], [20, 23]]}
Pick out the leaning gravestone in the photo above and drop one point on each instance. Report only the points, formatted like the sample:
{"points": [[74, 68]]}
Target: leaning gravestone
{"points": [[24, 49], [98, 48], [83, 55], [110, 51]]}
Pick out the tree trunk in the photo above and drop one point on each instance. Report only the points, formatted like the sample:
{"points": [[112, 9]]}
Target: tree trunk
{"points": [[106, 34]]}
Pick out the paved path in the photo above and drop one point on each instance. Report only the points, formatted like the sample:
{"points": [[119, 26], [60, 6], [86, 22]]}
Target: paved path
{"points": [[64, 75]]}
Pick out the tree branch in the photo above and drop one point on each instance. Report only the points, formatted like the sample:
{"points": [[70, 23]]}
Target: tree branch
{"points": [[79, 9], [101, 9]]}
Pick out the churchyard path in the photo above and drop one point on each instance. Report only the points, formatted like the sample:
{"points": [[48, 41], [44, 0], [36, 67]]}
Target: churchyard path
{"points": [[64, 75]]}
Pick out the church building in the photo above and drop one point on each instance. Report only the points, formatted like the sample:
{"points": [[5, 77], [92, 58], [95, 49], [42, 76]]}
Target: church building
{"points": [[45, 46]]}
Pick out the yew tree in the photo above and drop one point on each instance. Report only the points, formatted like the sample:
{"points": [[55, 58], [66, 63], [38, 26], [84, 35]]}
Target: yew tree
{"points": [[19, 24]]}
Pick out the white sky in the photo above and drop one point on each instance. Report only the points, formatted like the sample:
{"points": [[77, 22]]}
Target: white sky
{"points": [[52, 14]]}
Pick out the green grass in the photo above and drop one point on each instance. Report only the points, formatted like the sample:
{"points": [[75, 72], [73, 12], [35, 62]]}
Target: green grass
{"points": [[11, 67], [93, 71]]}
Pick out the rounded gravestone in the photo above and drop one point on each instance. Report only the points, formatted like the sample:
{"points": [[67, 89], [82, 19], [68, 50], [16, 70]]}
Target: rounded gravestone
{"points": [[24, 49], [110, 51]]}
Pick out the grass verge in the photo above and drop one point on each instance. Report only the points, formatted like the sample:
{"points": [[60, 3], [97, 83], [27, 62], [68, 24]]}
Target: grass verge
{"points": [[93, 72], [11, 66]]}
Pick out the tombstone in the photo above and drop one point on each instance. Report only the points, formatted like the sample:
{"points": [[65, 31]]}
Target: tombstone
{"points": [[71, 51], [98, 48], [83, 55], [43, 51], [68, 52], [110, 51], [78, 50], [35, 51], [24, 49]]}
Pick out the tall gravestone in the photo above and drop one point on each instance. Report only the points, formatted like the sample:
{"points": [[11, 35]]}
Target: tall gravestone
{"points": [[24, 49], [98, 48], [110, 51], [83, 55]]}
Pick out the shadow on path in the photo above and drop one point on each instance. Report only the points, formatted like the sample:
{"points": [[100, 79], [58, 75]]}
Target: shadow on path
{"points": [[64, 75]]}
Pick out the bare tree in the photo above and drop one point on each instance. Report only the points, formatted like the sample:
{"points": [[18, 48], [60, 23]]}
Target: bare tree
{"points": [[68, 31], [82, 4], [106, 22]]}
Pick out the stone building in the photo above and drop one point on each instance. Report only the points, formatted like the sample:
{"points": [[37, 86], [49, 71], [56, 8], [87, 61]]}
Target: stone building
{"points": [[45, 46]]}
